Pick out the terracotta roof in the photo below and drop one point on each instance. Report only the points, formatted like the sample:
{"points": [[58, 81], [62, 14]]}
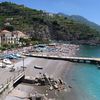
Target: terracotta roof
{"points": [[4, 32], [19, 32]]}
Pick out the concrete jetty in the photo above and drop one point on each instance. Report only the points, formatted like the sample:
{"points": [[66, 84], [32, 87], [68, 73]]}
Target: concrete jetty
{"points": [[72, 59]]}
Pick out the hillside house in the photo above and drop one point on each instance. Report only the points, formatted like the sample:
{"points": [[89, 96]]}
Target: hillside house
{"points": [[7, 37]]}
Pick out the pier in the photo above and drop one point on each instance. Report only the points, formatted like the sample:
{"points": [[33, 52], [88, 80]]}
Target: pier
{"points": [[71, 59]]}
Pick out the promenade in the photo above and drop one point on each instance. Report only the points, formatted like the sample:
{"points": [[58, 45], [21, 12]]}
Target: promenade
{"points": [[5, 73]]}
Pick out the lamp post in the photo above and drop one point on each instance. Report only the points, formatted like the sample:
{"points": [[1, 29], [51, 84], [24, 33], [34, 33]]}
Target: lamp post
{"points": [[23, 63], [2, 63]]}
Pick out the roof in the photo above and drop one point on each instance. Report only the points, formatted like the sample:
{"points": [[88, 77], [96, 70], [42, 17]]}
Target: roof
{"points": [[19, 33], [4, 32]]}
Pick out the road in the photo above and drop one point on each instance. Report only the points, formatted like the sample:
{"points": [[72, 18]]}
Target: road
{"points": [[5, 73]]}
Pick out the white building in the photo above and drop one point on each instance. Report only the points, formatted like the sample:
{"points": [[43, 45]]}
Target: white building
{"points": [[7, 37]]}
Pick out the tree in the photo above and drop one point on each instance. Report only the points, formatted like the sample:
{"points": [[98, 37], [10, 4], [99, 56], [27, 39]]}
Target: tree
{"points": [[25, 41], [9, 27]]}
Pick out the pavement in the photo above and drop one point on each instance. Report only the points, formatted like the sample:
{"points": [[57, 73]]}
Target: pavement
{"points": [[5, 73]]}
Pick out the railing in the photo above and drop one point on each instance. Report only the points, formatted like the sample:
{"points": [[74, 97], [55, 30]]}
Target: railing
{"points": [[11, 79]]}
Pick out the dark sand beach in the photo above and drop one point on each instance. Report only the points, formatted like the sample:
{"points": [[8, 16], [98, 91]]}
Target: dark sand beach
{"points": [[55, 69], [52, 68]]}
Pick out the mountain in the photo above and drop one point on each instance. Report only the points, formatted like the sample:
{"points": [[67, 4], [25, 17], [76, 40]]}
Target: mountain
{"points": [[85, 21], [81, 19], [44, 26]]}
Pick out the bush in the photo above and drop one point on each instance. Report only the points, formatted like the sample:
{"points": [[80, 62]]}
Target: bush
{"points": [[2, 48]]}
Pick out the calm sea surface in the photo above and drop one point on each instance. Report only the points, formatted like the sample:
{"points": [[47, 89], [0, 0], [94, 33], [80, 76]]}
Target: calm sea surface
{"points": [[85, 78]]}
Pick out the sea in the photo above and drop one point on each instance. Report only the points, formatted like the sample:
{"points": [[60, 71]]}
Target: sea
{"points": [[85, 78]]}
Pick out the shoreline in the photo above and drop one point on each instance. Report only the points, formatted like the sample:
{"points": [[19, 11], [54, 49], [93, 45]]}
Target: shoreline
{"points": [[59, 72], [53, 68]]}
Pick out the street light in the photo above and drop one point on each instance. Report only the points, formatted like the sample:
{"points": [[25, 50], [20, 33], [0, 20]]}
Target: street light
{"points": [[2, 63], [23, 63]]}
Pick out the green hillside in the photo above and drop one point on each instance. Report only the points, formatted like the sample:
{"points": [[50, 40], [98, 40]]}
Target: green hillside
{"points": [[45, 26], [85, 21], [81, 19]]}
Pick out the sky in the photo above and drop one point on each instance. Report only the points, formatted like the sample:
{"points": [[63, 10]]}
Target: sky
{"points": [[86, 8]]}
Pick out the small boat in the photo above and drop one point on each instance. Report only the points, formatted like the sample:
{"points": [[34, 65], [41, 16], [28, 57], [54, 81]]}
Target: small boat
{"points": [[38, 67], [2, 65], [98, 67], [7, 61], [55, 86], [12, 69], [17, 55], [11, 56], [9, 65]]}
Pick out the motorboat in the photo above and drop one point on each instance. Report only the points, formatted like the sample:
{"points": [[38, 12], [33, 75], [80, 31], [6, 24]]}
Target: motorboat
{"points": [[7, 61], [12, 69], [98, 67], [18, 55], [9, 65], [37, 67], [11, 56], [2, 65]]}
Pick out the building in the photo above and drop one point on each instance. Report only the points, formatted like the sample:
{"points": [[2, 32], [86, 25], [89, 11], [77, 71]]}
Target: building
{"points": [[7, 37], [16, 35]]}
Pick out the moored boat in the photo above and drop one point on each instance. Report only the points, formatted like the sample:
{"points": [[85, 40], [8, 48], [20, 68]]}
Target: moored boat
{"points": [[7, 61], [37, 67], [98, 67]]}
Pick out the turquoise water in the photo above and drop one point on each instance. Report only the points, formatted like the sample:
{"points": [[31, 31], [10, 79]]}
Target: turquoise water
{"points": [[85, 78], [89, 51]]}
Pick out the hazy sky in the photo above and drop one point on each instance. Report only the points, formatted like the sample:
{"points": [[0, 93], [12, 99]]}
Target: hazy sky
{"points": [[86, 8]]}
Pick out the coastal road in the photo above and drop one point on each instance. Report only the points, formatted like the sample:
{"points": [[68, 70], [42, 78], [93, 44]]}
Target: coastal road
{"points": [[5, 73]]}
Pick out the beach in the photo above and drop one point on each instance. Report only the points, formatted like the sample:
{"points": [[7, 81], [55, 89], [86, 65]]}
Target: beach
{"points": [[51, 68], [56, 69]]}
